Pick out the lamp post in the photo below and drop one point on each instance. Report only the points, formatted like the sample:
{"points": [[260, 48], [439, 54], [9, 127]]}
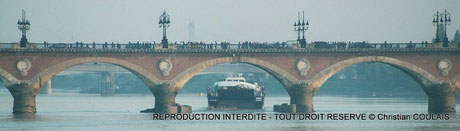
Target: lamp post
{"points": [[24, 26], [301, 26], [164, 23], [436, 23], [444, 20]]}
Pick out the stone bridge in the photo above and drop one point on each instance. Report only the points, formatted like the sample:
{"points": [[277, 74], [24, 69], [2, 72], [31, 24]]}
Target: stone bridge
{"points": [[165, 71]]}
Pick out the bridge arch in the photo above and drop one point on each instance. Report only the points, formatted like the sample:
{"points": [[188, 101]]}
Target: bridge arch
{"points": [[424, 78], [41, 78], [280, 74], [7, 79]]}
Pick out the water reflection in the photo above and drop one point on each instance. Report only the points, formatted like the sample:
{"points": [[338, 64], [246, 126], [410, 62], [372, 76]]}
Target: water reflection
{"points": [[73, 111]]}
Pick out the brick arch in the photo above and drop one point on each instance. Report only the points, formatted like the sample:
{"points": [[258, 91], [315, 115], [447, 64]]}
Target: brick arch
{"points": [[7, 79], [148, 78], [424, 78], [283, 76]]}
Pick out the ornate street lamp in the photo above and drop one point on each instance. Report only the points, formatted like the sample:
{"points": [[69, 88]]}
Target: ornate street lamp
{"points": [[24, 26], [164, 23], [301, 26], [444, 20], [436, 23]]}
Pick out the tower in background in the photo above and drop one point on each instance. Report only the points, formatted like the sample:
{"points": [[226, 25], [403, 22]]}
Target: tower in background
{"points": [[191, 31]]}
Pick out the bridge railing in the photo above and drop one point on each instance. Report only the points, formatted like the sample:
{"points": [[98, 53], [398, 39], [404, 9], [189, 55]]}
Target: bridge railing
{"points": [[223, 45], [235, 46], [80, 45], [6, 45], [138, 45], [349, 45]]}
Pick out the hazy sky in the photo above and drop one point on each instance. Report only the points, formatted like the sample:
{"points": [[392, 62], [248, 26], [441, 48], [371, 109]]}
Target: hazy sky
{"points": [[225, 20]]}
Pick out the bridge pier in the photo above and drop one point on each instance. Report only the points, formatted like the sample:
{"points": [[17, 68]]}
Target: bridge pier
{"points": [[441, 98], [301, 99], [165, 100], [302, 96], [24, 98]]}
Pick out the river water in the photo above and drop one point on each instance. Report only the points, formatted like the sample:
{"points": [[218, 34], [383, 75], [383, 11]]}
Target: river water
{"points": [[74, 111]]}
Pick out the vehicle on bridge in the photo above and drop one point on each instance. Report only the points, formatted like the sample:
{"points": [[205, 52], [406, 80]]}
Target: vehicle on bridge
{"points": [[234, 92]]}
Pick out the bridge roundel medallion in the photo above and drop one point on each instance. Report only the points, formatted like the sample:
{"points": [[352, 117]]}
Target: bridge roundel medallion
{"points": [[165, 66], [302, 66], [444, 65], [23, 65]]}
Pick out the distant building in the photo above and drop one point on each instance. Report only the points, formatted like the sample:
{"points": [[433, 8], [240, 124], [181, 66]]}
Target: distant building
{"points": [[439, 33], [457, 37]]}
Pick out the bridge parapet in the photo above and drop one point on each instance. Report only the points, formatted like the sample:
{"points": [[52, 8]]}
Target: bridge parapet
{"points": [[352, 50], [226, 45]]}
